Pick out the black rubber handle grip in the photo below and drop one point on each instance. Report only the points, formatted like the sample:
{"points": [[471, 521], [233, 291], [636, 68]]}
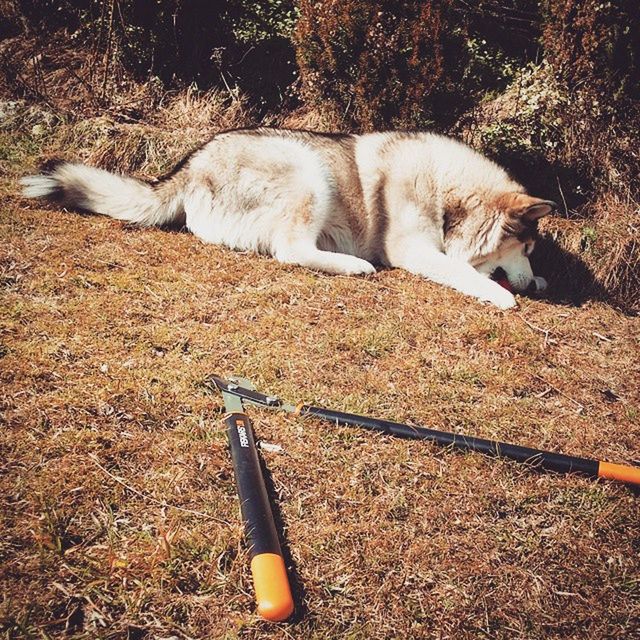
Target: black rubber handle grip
{"points": [[273, 592], [535, 457], [260, 529]]}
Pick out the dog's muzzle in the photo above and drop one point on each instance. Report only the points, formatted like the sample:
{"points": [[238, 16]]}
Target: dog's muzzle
{"points": [[536, 285]]}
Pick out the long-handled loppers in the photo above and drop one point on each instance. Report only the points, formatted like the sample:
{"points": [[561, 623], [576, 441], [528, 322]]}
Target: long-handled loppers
{"points": [[270, 581], [558, 462]]}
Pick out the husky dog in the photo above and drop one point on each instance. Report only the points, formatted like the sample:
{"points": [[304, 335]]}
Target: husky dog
{"points": [[336, 203]]}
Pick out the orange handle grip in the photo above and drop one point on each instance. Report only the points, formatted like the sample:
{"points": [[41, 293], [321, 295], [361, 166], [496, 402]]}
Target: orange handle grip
{"points": [[273, 594], [621, 472]]}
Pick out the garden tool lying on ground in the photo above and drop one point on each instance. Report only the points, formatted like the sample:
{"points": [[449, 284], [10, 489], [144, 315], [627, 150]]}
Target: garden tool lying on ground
{"points": [[559, 462], [273, 593]]}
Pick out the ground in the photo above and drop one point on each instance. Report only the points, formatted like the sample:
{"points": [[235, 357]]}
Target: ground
{"points": [[120, 518]]}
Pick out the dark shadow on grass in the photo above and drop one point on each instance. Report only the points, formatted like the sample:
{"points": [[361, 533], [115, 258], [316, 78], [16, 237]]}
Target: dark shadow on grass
{"points": [[634, 489], [171, 227], [570, 280]]}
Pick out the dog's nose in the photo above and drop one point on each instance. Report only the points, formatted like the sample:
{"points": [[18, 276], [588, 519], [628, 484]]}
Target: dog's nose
{"points": [[532, 288]]}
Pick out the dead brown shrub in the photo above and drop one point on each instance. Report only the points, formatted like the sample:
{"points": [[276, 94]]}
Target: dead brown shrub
{"points": [[593, 47], [378, 64], [72, 79]]}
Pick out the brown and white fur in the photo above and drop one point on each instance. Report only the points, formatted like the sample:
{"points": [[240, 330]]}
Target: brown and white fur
{"points": [[336, 203]]}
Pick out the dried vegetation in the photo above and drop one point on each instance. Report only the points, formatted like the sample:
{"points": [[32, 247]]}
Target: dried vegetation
{"points": [[118, 508], [120, 517]]}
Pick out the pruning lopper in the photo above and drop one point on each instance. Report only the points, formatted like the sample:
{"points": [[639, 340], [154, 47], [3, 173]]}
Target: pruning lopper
{"points": [[270, 581], [269, 574]]}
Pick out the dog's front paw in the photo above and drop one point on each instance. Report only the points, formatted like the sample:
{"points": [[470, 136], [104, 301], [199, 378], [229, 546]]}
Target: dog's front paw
{"points": [[500, 297], [363, 268], [507, 301]]}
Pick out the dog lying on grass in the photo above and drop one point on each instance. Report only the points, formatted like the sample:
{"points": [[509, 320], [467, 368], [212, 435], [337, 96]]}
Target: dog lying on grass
{"points": [[337, 203]]}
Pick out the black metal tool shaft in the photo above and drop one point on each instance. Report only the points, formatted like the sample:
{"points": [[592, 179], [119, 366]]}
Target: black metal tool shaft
{"points": [[261, 532], [536, 457], [559, 462]]}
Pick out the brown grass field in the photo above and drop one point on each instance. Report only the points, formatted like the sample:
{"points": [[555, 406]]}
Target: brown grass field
{"points": [[119, 514]]}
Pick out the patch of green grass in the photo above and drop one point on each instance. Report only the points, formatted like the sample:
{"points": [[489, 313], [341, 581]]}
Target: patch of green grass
{"points": [[16, 148]]}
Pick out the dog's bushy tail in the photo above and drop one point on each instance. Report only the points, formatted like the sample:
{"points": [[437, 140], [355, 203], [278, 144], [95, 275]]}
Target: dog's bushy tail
{"points": [[98, 191]]}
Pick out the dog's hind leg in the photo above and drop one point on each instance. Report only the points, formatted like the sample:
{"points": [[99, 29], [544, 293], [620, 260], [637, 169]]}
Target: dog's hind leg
{"points": [[304, 252], [297, 241]]}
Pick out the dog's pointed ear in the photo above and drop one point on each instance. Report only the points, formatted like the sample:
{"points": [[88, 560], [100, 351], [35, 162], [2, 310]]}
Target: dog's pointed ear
{"points": [[525, 207], [539, 209]]}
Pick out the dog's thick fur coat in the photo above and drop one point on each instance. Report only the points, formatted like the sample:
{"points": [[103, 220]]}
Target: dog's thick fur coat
{"points": [[336, 203]]}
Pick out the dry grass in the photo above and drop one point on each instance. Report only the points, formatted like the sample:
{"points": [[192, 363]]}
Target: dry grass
{"points": [[153, 147], [71, 77], [598, 254], [110, 443]]}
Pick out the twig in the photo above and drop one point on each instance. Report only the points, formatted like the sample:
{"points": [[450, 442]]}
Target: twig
{"points": [[146, 496], [562, 393], [108, 52], [545, 332], [97, 43], [566, 209]]}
